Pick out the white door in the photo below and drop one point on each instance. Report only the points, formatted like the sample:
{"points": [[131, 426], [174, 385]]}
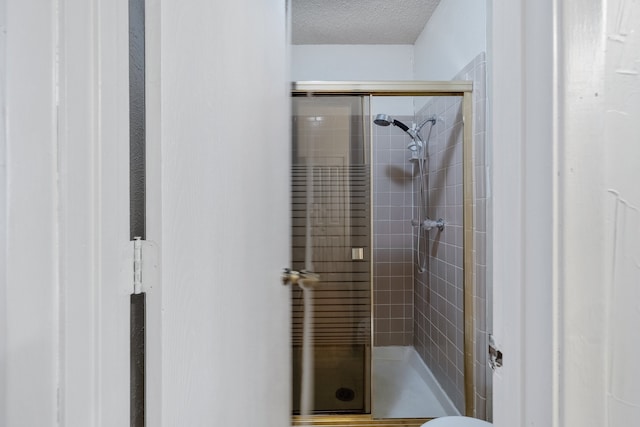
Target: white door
{"points": [[218, 213], [218, 197]]}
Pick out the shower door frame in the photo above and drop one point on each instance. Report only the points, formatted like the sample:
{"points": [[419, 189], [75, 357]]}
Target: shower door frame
{"points": [[464, 89]]}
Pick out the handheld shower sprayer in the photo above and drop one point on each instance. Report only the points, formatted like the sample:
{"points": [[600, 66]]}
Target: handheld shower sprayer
{"points": [[386, 120], [416, 143]]}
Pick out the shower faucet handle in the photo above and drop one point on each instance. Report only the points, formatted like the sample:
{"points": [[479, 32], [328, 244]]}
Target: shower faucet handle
{"points": [[430, 224], [293, 277]]}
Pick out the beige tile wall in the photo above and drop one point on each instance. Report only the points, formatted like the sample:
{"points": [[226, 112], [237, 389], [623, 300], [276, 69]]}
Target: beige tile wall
{"points": [[438, 309], [427, 312], [438, 315], [392, 258]]}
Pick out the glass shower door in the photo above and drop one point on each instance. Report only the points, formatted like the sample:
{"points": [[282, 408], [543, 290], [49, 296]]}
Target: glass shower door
{"points": [[331, 231]]}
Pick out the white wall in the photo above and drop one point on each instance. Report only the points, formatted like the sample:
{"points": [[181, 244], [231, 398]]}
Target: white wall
{"points": [[3, 203], [357, 63], [600, 214], [567, 212], [393, 105], [455, 34], [351, 62]]}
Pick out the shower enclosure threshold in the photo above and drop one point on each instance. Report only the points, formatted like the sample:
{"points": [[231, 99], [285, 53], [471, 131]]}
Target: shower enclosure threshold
{"points": [[356, 420]]}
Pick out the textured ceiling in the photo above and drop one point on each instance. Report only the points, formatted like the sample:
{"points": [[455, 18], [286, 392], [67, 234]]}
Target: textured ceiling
{"points": [[359, 21]]}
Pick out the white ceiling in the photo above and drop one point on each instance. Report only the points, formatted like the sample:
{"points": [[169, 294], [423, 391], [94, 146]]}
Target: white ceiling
{"points": [[359, 21]]}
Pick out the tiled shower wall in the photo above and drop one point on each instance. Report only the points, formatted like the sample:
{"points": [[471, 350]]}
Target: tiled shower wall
{"points": [[439, 322], [392, 257], [438, 309], [434, 324]]}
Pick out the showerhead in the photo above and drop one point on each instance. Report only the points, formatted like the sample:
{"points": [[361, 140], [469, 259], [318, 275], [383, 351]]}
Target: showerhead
{"points": [[383, 120], [386, 120]]}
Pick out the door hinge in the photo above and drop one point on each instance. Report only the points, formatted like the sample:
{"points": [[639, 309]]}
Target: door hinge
{"points": [[137, 265], [146, 267], [495, 354]]}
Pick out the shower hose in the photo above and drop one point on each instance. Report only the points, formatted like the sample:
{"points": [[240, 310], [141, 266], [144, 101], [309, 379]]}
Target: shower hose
{"points": [[420, 231], [423, 202]]}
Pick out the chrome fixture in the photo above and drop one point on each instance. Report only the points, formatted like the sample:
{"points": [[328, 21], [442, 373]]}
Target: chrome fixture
{"points": [[430, 224], [417, 144], [383, 120], [419, 152]]}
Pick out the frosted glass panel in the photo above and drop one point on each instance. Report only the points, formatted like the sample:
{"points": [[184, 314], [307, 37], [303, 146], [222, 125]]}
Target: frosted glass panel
{"points": [[331, 196]]}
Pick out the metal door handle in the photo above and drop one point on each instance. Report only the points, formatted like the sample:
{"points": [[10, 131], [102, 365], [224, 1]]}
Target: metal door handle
{"points": [[357, 254], [292, 277]]}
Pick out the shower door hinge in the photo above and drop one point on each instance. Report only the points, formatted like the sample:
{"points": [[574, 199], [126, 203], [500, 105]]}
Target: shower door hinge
{"points": [[145, 265], [495, 354]]}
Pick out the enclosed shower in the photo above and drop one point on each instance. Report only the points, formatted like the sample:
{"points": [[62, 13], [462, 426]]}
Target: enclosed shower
{"points": [[377, 215]]}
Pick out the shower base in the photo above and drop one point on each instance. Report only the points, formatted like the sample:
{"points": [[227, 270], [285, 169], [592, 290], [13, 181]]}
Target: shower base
{"points": [[339, 378], [404, 393], [404, 387]]}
